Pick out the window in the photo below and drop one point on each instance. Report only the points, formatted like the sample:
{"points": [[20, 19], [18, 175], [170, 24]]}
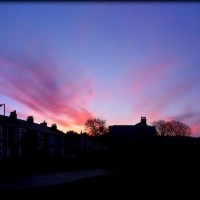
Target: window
{"points": [[1, 131], [19, 134], [1, 151], [62, 140], [52, 140], [62, 151], [19, 151], [52, 151], [40, 137]]}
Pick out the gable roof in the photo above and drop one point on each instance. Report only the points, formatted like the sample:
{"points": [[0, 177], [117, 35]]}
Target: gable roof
{"points": [[32, 126], [7, 120], [36, 127]]}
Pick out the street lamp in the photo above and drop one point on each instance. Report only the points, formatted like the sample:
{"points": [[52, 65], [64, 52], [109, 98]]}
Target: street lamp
{"points": [[3, 126], [3, 109]]}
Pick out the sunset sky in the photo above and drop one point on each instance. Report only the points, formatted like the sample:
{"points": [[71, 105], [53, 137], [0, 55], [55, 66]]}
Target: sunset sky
{"points": [[67, 62]]}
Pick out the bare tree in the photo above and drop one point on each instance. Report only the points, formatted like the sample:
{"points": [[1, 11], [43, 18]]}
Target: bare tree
{"points": [[96, 126], [160, 127], [172, 128]]}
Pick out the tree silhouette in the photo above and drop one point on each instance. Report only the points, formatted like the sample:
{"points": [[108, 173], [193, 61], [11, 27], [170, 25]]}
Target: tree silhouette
{"points": [[96, 126], [172, 128]]}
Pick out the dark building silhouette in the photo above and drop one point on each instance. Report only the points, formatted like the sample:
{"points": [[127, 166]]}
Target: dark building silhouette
{"points": [[128, 133], [143, 122], [25, 139], [21, 139], [30, 119], [13, 115]]}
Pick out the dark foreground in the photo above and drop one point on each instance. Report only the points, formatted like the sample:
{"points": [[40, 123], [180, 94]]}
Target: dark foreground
{"points": [[116, 186], [142, 172]]}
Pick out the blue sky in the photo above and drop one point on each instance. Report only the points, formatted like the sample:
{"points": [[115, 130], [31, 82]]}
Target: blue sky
{"points": [[67, 62]]}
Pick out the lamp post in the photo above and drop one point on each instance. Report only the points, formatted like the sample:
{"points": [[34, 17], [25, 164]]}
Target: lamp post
{"points": [[3, 126], [3, 109]]}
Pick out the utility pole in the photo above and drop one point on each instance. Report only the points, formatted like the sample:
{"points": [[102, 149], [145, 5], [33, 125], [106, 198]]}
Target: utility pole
{"points": [[3, 109], [4, 127]]}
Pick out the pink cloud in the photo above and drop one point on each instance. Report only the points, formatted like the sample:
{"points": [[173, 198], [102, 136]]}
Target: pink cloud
{"points": [[42, 87], [171, 96], [154, 92], [144, 84], [195, 130], [140, 77]]}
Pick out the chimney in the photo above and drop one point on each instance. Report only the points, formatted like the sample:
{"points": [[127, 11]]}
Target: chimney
{"points": [[13, 115], [30, 119], [44, 124], [54, 127], [144, 120]]}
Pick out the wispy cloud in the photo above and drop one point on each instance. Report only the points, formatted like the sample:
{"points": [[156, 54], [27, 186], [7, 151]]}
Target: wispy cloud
{"points": [[185, 116], [141, 77], [144, 84], [172, 96], [155, 94], [46, 89]]}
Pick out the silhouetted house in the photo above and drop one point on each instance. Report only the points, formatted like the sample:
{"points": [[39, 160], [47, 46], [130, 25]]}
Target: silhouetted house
{"points": [[11, 135], [36, 137], [96, 143], [24, 139], [57, 142], [140, 132], [78, 144]]}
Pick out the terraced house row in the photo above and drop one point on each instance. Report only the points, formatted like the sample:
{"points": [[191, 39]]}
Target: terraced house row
{"points": [[26, 139]]}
